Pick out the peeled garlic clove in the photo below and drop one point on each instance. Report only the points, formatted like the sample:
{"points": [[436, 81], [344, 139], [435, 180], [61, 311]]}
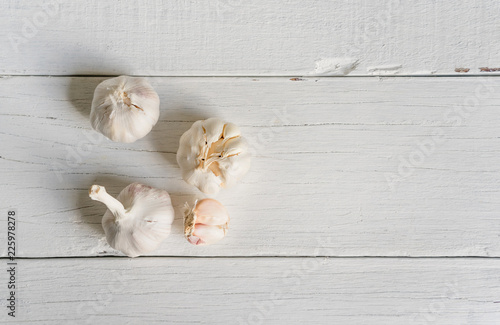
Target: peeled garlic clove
{"points": [[206, 223], [213, 154], [124, 108], [138, 220]]}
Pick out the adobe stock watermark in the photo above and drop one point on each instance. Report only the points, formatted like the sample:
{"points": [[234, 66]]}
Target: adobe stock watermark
{"points": [[369, 30], [424, 148], [89, 310], [291, 279], [31, 26], [223, 7], [23, 305], [75, 155], [267, 135], [455, 116], [430, 314]]}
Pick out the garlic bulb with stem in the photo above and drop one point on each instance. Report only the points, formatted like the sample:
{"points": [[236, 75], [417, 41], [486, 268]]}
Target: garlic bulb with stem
{"points": [[138, 220], [213, 154], [124, 108], [206, 223]]}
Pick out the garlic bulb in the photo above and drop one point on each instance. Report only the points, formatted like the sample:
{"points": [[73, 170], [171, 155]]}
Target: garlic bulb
{"points": [[138, 220], [212, 154], [206, 223], [124, 108]]}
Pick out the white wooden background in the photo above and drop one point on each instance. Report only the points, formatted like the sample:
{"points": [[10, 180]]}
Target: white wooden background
{"points": [[372, 199]]}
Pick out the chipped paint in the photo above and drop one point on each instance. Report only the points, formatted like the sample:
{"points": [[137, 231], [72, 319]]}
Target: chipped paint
{"points": [[486, 69], [335, 66], [388, 68], [464, 70]]}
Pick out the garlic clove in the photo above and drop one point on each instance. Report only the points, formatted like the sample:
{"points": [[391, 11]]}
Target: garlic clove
{"points": [[212, 154], [206, 223], [231, 131], [138, 220], [206, 235], [211, 212], [124, 108]]}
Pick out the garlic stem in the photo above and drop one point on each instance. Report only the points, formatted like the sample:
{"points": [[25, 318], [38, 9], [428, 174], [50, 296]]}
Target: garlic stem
{"points": [[99, 193]]}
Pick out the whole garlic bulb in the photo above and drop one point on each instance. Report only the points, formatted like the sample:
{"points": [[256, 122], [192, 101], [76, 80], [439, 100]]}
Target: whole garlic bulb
{"points": [[124, 108], [213, 154], [206, 223], [138, 220]]}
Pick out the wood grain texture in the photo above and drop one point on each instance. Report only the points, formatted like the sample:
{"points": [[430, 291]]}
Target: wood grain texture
{"points": [[341, 167], [258, 291], [235, 37], [345, 170]]}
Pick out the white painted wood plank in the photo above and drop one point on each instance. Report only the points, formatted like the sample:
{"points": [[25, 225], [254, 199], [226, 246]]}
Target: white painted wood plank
{"points": [[257, 291], [356, 167], [235, 37]]}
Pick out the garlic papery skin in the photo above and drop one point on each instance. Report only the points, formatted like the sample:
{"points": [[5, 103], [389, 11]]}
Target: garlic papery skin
{"points": [[138, 220], [206, 223], [213, 154], [124, 108]]}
